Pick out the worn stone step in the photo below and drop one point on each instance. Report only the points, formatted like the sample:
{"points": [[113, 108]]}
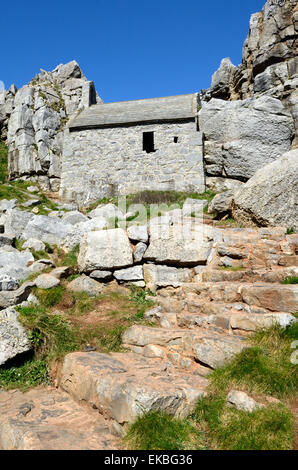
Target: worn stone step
{"points": [[49, 419], [273, 297], [249, 276], [211, 348], [124, 385], [229, 320]]}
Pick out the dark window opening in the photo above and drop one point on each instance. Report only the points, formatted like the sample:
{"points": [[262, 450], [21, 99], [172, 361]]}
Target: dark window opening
{"points": [[175, 140], [148, 142]]}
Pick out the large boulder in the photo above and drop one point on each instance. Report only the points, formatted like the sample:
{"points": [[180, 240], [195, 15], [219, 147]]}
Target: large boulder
{"points": [[270, 197], [179, 244], [242, 136], [13, 336], [105, 249]]}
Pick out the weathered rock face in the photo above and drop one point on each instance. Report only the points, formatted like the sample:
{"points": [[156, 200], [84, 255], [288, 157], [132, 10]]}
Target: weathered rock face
{"points": [[243, 136], [35, 116], [105, 249], [239, 133], [13, 337], [270, 197]]}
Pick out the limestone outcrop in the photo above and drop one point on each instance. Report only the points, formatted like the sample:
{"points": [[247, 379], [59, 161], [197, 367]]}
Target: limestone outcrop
{"points": [[35, 116], [270, 197], [249, 115]]}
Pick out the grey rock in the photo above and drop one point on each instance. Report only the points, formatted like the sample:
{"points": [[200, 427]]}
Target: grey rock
{"points": [[101, 275], [6, 240], [222, 203], [34, 244], [153, 313], [108, 211], [8, 204], [105, 249], [8, 283], [270, 197], [222, 80], [46, 281], [242, 136], [31, 203], [130, 274], [13, 336], [163, 276], [10, 298], [138, 233], [47, 229], [139, 251], [242, 401], [179, 245], [74, 217], [86, 284], [15, 263], [217, 351]]}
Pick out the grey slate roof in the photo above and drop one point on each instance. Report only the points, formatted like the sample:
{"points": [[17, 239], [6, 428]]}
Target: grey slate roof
{"points": [[170, 108]]}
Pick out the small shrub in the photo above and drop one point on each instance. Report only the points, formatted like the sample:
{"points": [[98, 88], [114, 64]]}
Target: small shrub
{"points": [[290, 231]]}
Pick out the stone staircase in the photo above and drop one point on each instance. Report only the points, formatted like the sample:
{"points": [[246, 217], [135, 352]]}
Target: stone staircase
{"points": [[199, 326]]}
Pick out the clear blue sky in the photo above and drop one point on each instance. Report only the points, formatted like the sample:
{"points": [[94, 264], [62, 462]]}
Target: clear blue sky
{"points": [[131, 49]]}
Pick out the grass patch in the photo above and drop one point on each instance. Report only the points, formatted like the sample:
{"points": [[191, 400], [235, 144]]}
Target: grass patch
{"points": [[154, 198], [64, 258], [30, 374], [290, 231], [290, 280], [265, 368], [231, 268], [3, 162], [66, 321], [159, 431], [55, 336], [270, 428]]}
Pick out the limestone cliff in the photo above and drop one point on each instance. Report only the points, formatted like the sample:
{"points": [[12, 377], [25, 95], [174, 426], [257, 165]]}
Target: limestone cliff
{"points": [[249, 115], [32, 120]]}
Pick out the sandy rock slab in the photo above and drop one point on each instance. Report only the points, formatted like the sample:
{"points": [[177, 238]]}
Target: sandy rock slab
{"points": [[48, 419], [124, 385]]}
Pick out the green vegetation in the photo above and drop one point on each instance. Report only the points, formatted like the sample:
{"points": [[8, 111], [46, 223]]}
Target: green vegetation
{"points": [[66, 321], [290, 231], [167, 200], [270, 428], [263, 370], [290, 280], [232, 268], [159, 431], [3, 162], [30, 374], [67, 258]]}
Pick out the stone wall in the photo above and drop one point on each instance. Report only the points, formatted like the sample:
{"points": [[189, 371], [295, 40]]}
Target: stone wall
{"points": [[110, 161]]}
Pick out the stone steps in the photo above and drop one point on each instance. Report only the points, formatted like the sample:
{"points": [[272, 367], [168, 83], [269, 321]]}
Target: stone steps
{"points": [[49, 419], [124, 385], [272, 297], [183, 347]]}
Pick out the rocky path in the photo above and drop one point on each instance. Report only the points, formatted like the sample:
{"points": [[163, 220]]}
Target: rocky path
{"points": [[200, 325]]}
